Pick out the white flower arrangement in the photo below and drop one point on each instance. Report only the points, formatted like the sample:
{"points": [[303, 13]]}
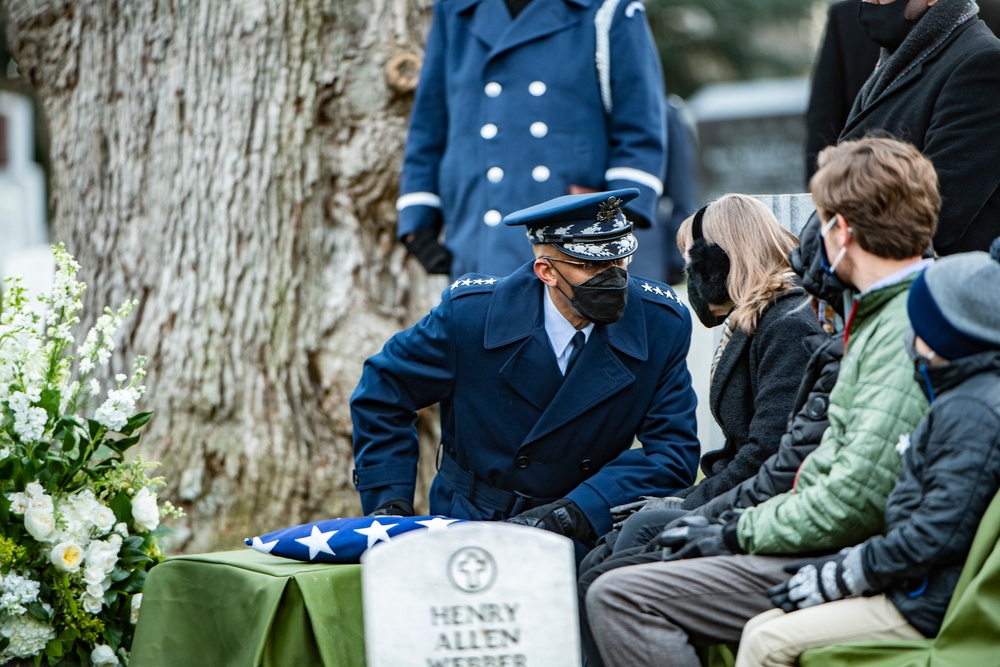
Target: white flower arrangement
{"points": [[78, 522]]}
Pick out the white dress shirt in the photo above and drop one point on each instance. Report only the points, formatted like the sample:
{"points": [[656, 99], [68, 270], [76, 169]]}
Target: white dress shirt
{"points": [[561, 332]]}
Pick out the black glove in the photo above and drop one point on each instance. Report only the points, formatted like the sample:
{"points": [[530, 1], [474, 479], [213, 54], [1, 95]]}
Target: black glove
{"points": [[394, 507], [433, 256], [563, 517], [645, 504], [697, 537], [819, 580]]}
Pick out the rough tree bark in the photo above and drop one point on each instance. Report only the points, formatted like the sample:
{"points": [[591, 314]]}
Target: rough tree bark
{"points": [[233, 164]]}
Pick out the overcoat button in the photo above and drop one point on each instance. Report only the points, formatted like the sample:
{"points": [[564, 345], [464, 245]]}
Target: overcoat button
{"points": [[536, 88], [538, 129], [522, 462], [540, 173], [488, 131], [493, 89], [492, 217], [494, 174], [585, 465]]}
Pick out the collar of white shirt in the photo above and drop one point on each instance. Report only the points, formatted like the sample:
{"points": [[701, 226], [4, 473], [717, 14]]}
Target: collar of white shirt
{"points": [[560, 331]]}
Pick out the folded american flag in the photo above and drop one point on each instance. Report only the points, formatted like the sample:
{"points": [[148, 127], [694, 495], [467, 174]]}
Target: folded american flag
{"points": [[341, 540]]}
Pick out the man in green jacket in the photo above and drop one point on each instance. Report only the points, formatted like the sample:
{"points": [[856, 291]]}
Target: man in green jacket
{"points": [[878, 201]]}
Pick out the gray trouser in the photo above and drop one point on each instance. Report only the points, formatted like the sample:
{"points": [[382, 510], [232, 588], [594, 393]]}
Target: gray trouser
{"points": [[655, 613]]}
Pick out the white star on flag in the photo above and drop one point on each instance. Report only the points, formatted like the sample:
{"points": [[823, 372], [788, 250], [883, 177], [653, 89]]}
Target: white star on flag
{"points": [[263, 546], [437, 523], [376, 532], [317, 541]]}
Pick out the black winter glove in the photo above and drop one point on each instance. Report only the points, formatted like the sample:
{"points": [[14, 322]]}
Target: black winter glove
{"points": [[697, 537], [562, 516], [433, 256], [645, 504], [820, 580], [394, 507]]}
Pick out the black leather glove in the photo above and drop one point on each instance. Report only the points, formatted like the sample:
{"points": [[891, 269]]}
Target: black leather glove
{"points": [[645, 504], [697, 537], [394, 507], [433, 256], [562, 516], [818, 580]]}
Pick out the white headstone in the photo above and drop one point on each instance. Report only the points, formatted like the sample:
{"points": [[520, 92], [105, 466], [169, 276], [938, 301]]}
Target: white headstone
{"points": [[22, 184], [475, 595]]}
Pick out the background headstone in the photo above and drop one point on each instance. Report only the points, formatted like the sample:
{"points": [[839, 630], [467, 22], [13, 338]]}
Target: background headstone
{"points": [[22, 195], [751, 136], [475, 595]]}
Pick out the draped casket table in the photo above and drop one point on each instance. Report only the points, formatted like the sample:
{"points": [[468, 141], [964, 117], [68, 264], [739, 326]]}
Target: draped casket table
{"points": [[248, 609]]}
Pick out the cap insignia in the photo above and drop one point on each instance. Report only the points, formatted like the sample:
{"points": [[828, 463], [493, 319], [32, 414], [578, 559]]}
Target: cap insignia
{"points": [[609, 209]]}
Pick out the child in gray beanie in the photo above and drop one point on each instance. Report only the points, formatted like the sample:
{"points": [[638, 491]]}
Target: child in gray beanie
{"points": [[898, 585]]}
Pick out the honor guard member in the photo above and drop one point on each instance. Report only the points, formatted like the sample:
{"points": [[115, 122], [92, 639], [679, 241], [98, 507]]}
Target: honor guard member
{"points": [[545, 380], [520, 101]]}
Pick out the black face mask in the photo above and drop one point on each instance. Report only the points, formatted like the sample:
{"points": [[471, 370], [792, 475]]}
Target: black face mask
{"points": [[601, 299], [885, 24]]}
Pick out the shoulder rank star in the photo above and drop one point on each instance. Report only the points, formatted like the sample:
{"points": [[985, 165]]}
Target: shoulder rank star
{"points": [[609, 209]]}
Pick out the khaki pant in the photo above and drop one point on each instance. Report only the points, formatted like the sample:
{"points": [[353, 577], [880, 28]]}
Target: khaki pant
{"points": [[775, 638]]}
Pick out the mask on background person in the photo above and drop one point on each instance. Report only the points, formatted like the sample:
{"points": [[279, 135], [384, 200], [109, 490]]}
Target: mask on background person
{"points": [[601, 299], [885, 24]]}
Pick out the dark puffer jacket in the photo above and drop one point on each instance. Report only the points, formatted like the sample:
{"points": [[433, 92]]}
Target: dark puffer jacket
{"points": [[951, 471], [752, 394], [805, 428]]}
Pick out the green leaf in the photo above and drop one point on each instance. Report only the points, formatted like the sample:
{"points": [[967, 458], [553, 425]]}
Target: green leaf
{"points": [[37, 610], [162, 531], [135, 422], [121, 505], [135, 582], [122, 444], [133, 542], [113, 636], [119, 574]]}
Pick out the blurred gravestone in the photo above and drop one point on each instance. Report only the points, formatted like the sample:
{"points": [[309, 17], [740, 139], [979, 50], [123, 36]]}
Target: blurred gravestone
{"points": [[751, 136], [22, 183], [484, 594], [792, 210]]}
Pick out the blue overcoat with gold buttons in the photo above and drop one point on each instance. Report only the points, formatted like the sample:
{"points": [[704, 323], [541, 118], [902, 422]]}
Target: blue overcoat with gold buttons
{"points": [[509, 113], [509, 417]]}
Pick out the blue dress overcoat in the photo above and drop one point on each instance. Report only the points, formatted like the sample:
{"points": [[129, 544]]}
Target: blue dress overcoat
{"points": [[510, 418], [509, 113]]}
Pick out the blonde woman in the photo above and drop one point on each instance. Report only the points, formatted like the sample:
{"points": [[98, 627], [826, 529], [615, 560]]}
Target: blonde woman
{"points": [[739, 279]]}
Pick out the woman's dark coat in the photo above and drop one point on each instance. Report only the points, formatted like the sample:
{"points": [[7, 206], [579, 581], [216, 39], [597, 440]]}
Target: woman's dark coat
{"points": [[752, 394]]}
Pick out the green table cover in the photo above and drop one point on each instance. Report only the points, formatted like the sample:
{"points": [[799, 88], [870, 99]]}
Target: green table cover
{"points": [[248, 609], [970, 633]]}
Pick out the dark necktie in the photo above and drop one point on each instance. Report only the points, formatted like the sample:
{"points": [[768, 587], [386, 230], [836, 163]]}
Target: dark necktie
{"points": [[578, 340]]}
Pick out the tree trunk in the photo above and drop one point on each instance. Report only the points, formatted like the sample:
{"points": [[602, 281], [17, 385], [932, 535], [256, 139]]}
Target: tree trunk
{"points": [[233, 165]]}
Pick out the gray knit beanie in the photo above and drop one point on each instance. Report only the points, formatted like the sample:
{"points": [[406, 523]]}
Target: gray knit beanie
{"points": [[954, 306]]}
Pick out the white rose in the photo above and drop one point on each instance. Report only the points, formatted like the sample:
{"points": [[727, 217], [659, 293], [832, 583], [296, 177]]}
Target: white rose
{"points": [[34, 489], [93, 575], [121, 528], [92, 604], [144, 510], [102, 556], [40, 502], [40, 524], [18, 502], [95, 590], [103, 656], [67, 556], [103, 518], [136, 603]]}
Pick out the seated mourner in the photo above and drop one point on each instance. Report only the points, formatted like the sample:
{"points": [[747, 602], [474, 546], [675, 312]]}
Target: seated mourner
{"points": [[878, 199], [898, 585], [545, 378], [738, 278]]}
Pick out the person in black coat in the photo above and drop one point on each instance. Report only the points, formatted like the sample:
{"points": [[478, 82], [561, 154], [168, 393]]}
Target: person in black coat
{"points": [[739, 278], [935, 86], [846, 59]]}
